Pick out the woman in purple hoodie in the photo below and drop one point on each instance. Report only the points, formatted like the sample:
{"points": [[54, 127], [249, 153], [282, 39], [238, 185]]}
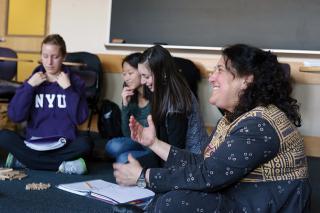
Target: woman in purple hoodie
{"points": [[52, 101]]}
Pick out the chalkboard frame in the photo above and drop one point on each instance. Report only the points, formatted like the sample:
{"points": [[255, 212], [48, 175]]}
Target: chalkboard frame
{"points": [[109, 44]]}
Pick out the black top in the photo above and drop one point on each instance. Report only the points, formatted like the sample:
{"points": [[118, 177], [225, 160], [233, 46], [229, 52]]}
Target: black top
{"points": [[237, 172]]}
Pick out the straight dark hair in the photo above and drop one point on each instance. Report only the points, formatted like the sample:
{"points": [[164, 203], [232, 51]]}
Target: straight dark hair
{"points": [[171, 92], [133, 60]]}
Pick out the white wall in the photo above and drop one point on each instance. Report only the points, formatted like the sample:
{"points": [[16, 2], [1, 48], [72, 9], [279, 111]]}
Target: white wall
{"points": [[84, 25]]}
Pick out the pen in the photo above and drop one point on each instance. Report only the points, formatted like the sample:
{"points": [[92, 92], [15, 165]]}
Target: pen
{"points": [[146, 205], [89, 185]]}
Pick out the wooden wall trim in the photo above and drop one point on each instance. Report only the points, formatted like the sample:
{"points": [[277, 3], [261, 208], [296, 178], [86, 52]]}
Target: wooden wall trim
{"points": [[3, 18], [112, 64], [303, 77], [312, 146]]}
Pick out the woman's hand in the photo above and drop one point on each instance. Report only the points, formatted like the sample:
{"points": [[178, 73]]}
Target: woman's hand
{"points": [[63, 80], [127, 174], [37, 79], [146, 136], [126, 95]]}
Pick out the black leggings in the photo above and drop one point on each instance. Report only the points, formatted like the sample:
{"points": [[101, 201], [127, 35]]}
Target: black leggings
{"points": [[44, 160]]}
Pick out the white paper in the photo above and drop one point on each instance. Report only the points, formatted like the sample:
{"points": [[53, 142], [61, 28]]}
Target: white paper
{"points": [[45, 146], [110, 192]]}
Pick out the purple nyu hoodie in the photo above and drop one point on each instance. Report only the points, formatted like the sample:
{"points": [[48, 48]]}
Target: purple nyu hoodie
{"points": [[48, 109]]}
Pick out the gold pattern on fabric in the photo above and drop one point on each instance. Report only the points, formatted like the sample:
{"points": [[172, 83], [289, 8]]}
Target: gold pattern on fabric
{"points": [[218, 137], [290, 162]]}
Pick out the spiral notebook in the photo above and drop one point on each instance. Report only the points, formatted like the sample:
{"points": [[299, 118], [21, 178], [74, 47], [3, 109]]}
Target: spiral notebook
{"points": [[109, 192]]}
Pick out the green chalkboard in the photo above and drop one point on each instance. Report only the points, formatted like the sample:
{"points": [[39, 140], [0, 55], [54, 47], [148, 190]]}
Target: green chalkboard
{"points": [[270, 24]]}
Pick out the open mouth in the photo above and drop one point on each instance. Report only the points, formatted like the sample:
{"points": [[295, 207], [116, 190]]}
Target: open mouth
{"points": [[214, 87]]}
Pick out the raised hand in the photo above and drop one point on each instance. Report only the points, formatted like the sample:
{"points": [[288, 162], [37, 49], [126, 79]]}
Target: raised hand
{"points": [[143, 135], [146, 136], [63, 80], [127, 174], [126, 95], [37, 79]]}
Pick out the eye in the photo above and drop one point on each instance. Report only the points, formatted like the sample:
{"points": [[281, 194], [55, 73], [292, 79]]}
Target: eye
{"points": [[216, 69], [220, 70]]}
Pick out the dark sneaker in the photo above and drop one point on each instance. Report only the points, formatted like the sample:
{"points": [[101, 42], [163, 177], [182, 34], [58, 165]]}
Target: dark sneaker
{"points": [[13, 162], [73, 167]]}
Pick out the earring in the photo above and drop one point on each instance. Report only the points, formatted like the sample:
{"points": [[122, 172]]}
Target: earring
{"points": [[164, 80]]}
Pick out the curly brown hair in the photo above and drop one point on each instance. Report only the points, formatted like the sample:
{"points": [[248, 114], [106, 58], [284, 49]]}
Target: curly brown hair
{"points": [[271, 82]]}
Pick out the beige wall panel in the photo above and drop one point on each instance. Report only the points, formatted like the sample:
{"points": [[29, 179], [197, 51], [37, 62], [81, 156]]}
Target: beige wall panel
{"points": [[312, 146], [25, 68], [22, 43], [3, 13], [112, 63]]}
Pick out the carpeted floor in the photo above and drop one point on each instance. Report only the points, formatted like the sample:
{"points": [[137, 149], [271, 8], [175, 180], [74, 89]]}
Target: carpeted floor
{"points": [[14, 197]]}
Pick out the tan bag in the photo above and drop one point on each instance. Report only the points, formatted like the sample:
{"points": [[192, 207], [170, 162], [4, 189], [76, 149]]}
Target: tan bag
{"points": [[5, 122]]}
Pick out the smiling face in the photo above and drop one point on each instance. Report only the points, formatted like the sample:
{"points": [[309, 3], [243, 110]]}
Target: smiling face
{"points": [[226, 86], [51, 58], [131, 76], [147, 77]]}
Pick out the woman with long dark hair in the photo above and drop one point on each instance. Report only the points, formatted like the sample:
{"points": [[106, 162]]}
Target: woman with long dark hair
{"points": [[174, 108]]}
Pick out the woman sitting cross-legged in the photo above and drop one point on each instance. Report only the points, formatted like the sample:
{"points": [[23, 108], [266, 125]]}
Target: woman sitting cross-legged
{"points": [[53, 102], [135, 102], [255, 161]]}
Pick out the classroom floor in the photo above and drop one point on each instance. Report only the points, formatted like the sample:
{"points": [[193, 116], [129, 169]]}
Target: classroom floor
{"points": [[15, 198]]}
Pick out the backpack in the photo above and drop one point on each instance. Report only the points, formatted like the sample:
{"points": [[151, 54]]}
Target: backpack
{"points": [[109, 120], [190, 72]]}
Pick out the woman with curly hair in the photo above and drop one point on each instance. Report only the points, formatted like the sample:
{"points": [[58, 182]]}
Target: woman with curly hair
{"points": [[255, 161]]}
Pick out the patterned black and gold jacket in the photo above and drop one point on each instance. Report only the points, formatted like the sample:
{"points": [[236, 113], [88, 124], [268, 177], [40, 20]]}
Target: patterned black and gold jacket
{"points": [[289, 164]]}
